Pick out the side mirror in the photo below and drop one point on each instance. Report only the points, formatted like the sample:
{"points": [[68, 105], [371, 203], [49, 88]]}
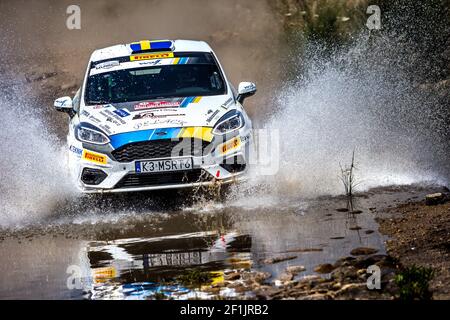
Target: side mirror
{"points": [[245, 90], [64, 104]]}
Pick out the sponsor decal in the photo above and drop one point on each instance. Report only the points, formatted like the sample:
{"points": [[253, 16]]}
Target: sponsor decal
{"points": [[151, 56], [76, 150], [150, 63], [163, 110], [230, 145], [112, 117], [101, 275], [94, 119], [227, 103], [107, 64], [150, 114], [105, 128], [85, 113], [100, 106], [157, 104], [211, 117], [174, 122], [246, 138], [176, 103], [61, 102], [122, 113], [94, 157]]}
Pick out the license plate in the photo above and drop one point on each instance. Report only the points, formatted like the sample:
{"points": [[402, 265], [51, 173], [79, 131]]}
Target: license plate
{"points": [[163, 165]]}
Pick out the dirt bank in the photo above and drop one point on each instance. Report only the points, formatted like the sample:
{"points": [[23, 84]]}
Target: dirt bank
{"points": [[420, 235]]}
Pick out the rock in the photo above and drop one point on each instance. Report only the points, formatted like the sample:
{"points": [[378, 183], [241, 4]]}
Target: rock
{"points": [[278, 259], [295, 269], [233, 285], [266, 292], [343, 273], [278, 283], [351, 289], [261, 276], [211, 290], [365, 262], [434, 199], [361, 272], [336, 286], [284, 277], [241, 289], [344, 261], [305, 250], [220, 284], [363, 251], [310, 280], [315, 296], [232, 276], [324, 268], [258, 277]]}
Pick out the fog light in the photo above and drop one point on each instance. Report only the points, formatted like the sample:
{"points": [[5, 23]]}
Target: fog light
{"points": [[93, 176], [234, 165]]}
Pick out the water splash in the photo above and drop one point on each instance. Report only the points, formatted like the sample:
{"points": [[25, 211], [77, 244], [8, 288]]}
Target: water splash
{"points": [[364, 97], [33, 177]]}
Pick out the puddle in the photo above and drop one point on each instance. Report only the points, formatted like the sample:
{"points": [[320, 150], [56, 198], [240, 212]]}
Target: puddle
{"points": [[144, 255]]}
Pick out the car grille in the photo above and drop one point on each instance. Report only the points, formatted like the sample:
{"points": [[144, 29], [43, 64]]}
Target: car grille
{"points": [[162, 178], [160, 149]]}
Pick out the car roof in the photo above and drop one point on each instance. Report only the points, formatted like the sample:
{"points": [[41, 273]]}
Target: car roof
{"points": [[122, 50]]}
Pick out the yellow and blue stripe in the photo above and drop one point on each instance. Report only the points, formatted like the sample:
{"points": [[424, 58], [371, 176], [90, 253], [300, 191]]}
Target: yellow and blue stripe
{"points": [[188, 100], [121, 139], [183, 60], [152, 45]]}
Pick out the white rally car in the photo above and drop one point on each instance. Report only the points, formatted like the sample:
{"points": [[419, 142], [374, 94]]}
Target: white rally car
{"points": [[157, 115]]}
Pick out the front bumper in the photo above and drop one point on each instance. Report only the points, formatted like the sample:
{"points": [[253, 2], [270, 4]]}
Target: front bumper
{"points": [[209, 169]]}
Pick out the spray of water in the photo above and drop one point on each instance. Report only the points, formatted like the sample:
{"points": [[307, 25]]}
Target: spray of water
{"points": [[364, 97], [33, 176]]}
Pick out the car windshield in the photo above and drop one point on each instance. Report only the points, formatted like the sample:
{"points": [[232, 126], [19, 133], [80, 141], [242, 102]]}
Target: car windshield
{"points": [[155, 82]]}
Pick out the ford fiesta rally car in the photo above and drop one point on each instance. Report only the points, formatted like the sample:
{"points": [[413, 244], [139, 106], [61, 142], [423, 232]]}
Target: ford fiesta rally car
{"points": [[157, 115]]}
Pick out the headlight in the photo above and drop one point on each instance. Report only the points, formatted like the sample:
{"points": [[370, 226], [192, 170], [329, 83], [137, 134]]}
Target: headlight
{"points": [[90, 135], [231, 123]]}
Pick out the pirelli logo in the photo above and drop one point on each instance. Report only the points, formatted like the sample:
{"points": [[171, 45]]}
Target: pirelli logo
{"points": [[230, 145], [151, 56], [94, 157], [102, 275]]}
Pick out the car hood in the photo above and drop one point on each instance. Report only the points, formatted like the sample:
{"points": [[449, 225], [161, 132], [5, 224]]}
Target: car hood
{"points": [[183, 112]]}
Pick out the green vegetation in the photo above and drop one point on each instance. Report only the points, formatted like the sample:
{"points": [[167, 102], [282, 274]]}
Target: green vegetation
{"points": [[160, 296], [329, 20], [419, 27], [413, 283], [195, 278], [348, 177]]}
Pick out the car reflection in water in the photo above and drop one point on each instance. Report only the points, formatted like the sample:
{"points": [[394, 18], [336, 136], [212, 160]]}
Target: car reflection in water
{"points": [[148, 268]]}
